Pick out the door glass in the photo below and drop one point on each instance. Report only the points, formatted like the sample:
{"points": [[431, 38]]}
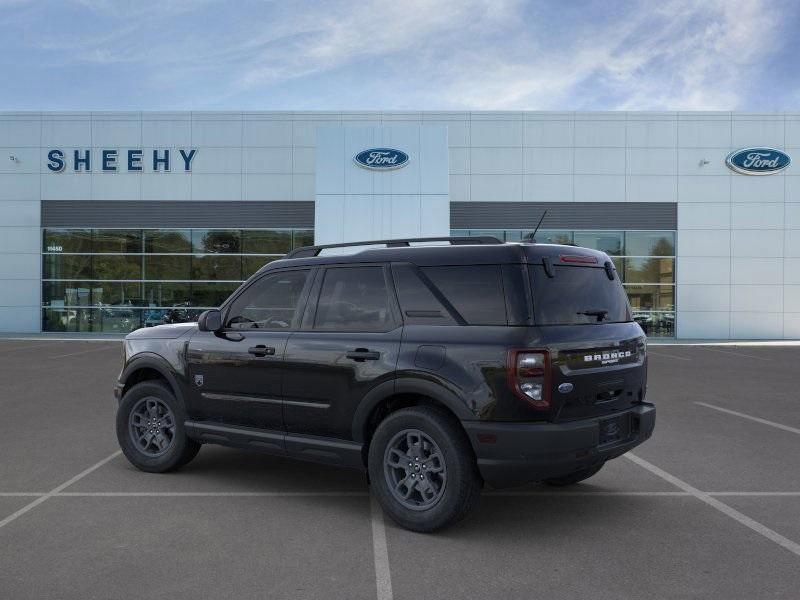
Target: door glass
{"points": [[354, 299], [270, 303]]}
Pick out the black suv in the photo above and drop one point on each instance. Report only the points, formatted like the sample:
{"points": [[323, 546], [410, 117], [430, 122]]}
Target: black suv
{"points": [[435, 365]]}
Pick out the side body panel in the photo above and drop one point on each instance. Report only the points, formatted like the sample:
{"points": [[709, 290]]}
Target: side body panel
{"points": [[230, 385]]}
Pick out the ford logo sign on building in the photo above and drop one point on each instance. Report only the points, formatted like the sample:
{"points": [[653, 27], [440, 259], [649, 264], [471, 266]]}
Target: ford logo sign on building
{"points": [[758, 161], [381, 159]]}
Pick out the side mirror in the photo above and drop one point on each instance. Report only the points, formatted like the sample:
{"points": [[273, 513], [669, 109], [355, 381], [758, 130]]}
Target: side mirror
{"points": [[210, 320]]}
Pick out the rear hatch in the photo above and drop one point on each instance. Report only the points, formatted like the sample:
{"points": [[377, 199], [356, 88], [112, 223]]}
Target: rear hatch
{"points": [[597, 352]]}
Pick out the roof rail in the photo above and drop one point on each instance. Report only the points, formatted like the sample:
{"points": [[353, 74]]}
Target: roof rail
{"points": [[310, 251]]}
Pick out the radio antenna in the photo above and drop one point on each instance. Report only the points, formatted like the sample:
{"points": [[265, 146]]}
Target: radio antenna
{"points": [[539, 224]]}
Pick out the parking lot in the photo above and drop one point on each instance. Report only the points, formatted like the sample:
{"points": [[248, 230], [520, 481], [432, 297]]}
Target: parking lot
{"points": [[708, 508]]}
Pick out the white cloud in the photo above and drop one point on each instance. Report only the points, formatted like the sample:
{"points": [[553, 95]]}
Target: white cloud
{"points": [[474, 54], [684, 56]]}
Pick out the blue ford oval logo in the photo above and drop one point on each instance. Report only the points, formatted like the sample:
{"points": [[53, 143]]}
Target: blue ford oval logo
{"points": [[758, 161], [381, 159]]}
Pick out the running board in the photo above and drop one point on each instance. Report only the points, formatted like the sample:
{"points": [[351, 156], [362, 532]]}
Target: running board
{"points": [[305, 447]]}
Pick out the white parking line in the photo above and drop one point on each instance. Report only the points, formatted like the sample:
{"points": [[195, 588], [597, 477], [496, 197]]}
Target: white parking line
{"points": [[56, 490], [741, 354], [209, 494], [380, 552], [668, 355], [82, 352], [734, 514], [350, 494], [18, 347], [546, 494], [756, 494], [756, 419]]}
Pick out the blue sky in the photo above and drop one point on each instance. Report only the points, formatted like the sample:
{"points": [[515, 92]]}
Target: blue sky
{"points": [[372, 55]]}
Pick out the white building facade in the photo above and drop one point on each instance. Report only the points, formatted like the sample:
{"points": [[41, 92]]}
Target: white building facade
{"points": [[113, 221]]}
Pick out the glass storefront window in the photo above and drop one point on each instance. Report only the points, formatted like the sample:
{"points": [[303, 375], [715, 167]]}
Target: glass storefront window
{"points": [[166, 294], [162, 267], [498, 233], [91, 293], [67, 240], [302, 237], [609, 242], [213, 267], [117, 280], [551, 236], [266, 242], [650, 243], [115, 266], [67, 266], [226, 241], [168, 241], [124, 241], [656, 324], [651, 297], [649, 270]]}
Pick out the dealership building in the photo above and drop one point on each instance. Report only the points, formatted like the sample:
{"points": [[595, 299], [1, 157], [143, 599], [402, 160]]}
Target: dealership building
{"points": [[111, 221]]}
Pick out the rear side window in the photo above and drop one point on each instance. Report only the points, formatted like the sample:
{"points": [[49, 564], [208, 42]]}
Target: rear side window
{"points": [[354, 299], [577, 296], [475, 291], [418, 302]]}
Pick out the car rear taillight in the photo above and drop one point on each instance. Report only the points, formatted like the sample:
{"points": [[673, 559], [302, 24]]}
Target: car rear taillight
{"points": [[529, 376]]}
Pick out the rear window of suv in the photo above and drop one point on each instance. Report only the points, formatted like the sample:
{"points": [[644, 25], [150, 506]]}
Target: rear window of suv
{"points": [[577, 296]]}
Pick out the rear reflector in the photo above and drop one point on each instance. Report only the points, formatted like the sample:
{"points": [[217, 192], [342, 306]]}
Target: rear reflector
{"points": [[576, 258]]}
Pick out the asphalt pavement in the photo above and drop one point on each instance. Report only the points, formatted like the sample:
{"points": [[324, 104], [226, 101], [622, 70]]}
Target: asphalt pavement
{"points": [[708, 508]]}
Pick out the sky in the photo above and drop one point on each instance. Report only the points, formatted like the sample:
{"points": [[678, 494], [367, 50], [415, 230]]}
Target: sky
{"points": [[400, 55]]}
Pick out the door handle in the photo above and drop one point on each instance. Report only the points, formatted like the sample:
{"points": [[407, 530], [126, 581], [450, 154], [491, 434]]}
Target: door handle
{"points": [[261, 350], [362, 354]]}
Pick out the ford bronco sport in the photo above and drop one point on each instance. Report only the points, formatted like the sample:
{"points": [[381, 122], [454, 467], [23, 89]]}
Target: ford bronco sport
{"points": [[434, 365]]}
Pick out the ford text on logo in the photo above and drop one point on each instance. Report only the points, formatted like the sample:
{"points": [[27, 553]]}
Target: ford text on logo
{"points": [[607, 358], [381, 159], [110, 161], [758, 161]]}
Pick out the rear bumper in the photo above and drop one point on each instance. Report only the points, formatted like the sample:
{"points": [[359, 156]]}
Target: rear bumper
{"points": [[526, 452]]}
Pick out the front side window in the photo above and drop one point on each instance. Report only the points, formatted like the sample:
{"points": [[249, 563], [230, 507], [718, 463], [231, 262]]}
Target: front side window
{"points": [[271, 303], [354, 299]]}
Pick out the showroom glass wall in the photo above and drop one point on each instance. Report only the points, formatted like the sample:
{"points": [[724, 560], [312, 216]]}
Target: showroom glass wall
{"points": [[118, 280], [645, 261]]}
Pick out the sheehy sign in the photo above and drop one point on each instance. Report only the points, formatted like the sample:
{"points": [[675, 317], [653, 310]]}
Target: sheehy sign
{"points": [[112, 160]]}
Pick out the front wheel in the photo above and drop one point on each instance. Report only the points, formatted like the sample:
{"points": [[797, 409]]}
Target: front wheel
{"points": [[575, 477], [150, 429], [422, 469]]}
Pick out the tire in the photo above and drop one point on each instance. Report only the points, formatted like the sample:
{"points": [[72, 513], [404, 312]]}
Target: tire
{"points": [[453, 486], [173, 448], [575, 477]]}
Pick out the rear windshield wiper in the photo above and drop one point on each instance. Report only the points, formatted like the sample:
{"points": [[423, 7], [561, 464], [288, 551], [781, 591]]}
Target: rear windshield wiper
{"points": [[599, 313]]}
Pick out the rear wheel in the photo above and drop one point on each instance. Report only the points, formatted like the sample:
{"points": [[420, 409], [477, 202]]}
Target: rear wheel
{"points": [[150, 429], [422, 469], [575, 477]]}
